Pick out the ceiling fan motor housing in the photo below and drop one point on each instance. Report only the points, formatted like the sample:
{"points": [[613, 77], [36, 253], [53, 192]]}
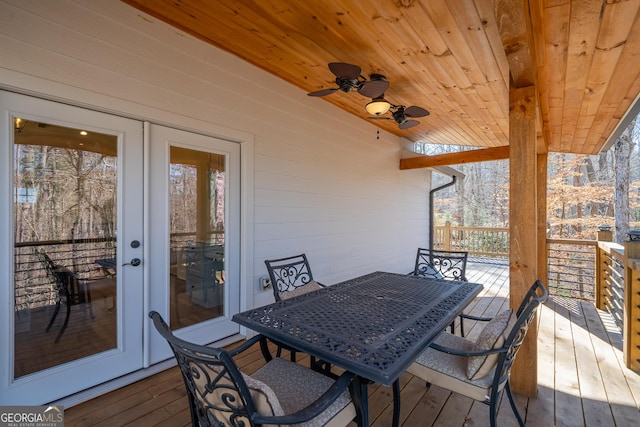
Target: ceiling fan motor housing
{"points": [[399, 115], [346, 84]]}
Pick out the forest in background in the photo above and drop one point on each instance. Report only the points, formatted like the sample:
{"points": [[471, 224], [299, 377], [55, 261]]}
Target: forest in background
{"points": [[581, 193]]}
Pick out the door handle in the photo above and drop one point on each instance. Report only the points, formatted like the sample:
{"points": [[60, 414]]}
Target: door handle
{"points": [[134, 262]]}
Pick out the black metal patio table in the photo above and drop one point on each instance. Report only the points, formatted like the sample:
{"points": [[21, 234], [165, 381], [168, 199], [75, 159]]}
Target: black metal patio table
{"points": [[373, 325]]}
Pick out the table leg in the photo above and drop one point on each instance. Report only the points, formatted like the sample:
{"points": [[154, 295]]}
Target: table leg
{"points": [[396, 403], [361, 400]]}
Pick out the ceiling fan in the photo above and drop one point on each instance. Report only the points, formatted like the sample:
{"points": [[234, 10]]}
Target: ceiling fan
{"points": [[349, 78], [402, 115]]}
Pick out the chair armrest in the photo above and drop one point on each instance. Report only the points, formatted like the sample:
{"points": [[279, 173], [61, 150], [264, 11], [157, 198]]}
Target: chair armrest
{"points": [[458, 352], [264, 342], [478, 318], [245, 345], [312, 410]]}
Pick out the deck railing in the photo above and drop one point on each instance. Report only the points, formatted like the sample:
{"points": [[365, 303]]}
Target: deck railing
{"points": [[600, 271], [571, 263], [571, 266], [618, 292], [610, 295], [480, 241], [33, 288]]}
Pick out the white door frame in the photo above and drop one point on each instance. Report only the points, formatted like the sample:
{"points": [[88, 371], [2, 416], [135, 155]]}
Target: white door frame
{"points": [[159, 140], [43, 386], [46, 89]]}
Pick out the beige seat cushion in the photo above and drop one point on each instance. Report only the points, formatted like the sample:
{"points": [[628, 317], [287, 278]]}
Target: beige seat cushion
{"points": [[264, 399], [296, 387], [491, 336], [281, 387], [311, 286], [449, 371]]}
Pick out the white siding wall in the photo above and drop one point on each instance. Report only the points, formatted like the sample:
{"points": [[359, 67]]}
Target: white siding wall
{"points": [[320, 181]]}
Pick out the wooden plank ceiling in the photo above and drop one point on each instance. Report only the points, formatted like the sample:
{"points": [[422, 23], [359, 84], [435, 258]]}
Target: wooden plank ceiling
{"points": [[456, 58]]}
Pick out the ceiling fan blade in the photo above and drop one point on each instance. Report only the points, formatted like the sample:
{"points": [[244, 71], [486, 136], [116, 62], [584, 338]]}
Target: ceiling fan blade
{"points": [[379, 118], [415, 111], [373, 88], [323, 92], [340, 69], [408, 124]]}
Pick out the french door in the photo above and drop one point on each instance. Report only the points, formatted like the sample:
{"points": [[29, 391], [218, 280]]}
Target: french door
{"points": [[72, 234], [194, 198], [102, 219]]}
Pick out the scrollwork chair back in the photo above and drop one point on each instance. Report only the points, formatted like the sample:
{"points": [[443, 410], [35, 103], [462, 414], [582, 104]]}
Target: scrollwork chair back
{"points": [[215, 386], [436, 264], [288, 274]]}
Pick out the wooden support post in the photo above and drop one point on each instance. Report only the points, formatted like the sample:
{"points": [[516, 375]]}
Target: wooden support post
{"points": [[523, 263], [541, 202], [631, 328], [600, 279], [604, 235], [446, 236]]}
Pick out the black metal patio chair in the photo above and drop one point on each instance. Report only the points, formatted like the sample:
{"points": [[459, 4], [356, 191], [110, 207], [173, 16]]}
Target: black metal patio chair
{"points": [[438, 264], [67, 288], [280, 392], [291, 276], [480, 369]]}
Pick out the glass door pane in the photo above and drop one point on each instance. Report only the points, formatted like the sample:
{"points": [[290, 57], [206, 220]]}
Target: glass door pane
{"points": [[71, 252], [65, 199], [197, 182], [194, 201]]}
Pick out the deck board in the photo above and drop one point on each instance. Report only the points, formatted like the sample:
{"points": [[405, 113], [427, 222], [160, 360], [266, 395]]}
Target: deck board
{"points": [[581, 378], [592, 392], [567, 387], [611, 367], [540, 411]]}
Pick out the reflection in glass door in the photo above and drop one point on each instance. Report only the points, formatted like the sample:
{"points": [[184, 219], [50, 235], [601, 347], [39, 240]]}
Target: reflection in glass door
{"points": [[194, 200], [64, 232], [70, 230], [197, 236]]}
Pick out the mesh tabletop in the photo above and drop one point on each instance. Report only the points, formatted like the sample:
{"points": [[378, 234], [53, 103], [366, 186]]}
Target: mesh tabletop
{"points": [[374, 325]]}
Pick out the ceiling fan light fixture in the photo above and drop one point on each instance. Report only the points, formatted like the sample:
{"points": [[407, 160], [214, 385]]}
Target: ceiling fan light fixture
{"points": [[377, 107]]}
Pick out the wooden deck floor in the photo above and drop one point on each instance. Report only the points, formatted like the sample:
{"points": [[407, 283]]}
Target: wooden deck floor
{"points": [[582, 379]]}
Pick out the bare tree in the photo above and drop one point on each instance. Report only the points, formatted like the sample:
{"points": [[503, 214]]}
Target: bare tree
{"points": [[622, 150]]}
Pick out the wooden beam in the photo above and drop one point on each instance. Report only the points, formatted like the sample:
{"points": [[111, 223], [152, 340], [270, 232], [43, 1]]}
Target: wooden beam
{"points": [[514, 23], [523, 256], [471, 156]]}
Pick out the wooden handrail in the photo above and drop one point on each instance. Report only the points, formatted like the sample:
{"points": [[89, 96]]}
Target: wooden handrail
{"points": [[575, 242]]}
